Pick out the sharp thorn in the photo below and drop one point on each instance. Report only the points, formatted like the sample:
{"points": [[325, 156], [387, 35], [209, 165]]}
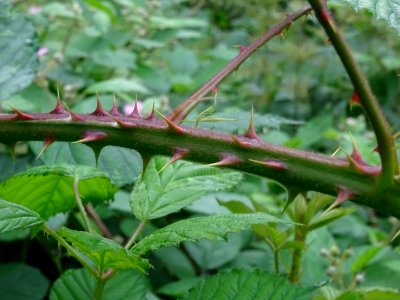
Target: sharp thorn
{"points": [[114, 109], [226, 160], [358, 163], [172, 126], [135, 113], [59, 109], [273, 164], [21, 115], [75, 116], [92, 136], [46, 143], [238, 142], [99, 111], [251, 131], [344, 194], [179, 153], [152, 115], [120, 122]]}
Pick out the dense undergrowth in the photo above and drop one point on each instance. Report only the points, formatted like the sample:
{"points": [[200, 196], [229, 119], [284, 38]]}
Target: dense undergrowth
{"points": [[89, 219]]}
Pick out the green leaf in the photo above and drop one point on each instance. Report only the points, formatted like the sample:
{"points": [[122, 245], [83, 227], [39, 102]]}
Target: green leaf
{"points": [[22, 282], [18, 46], [176, 262], [119, 59], [48, 190], [105, 253], [330, 217], [14, 217], [178, 289], [370, 294], [247, 285], [80, 284], [159, 194], [63, 152], [124, 170], [387, 10], [209, 254], [364, 258], [194, 229], [117, 85]]}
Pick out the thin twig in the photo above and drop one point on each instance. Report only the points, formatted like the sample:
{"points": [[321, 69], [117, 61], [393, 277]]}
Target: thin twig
{"points": [[99, 222], [138, 230], [371, 106], [182, 110], [82, 210]]}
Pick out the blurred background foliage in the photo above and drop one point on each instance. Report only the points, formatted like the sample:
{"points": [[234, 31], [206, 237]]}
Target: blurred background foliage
{"points": [[161, 51]]}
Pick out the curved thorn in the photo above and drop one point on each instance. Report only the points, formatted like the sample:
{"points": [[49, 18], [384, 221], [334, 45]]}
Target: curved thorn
{"points": [[74, 116], [120, 122], [273, 164], [46, 143], [344, 194], [358, 163], [172, 126], [92, 136], [179, 153], [226, 160], [238, 142], [21, 115]]}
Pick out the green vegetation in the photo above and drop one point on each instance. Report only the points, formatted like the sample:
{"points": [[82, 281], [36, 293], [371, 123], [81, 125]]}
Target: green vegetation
{"points": [[158, 150]]}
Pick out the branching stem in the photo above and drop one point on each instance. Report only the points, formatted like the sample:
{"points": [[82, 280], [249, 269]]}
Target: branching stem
{"points": [[371, 107], [183, 109]]}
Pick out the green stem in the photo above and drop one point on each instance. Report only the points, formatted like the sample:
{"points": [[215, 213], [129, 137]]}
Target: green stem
{"points": [[134, 236], [102, 280], [98, 291], [276, 261], [82, 210], [69, 248], [181, 111], [371, 107], [297, 254]]}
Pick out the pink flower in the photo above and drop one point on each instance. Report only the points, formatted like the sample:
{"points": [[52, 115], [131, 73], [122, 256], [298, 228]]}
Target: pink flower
{"points": [[42, 51], [35, 10]]}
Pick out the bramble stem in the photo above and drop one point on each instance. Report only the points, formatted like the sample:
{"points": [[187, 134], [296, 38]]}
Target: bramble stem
{"points": [[371, 107], [183, 109]]}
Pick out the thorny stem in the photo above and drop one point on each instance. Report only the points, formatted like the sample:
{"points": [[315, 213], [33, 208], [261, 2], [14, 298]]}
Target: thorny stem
{"points": [[69, 248], [82, 210], [371, 107], [183, 109]]}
